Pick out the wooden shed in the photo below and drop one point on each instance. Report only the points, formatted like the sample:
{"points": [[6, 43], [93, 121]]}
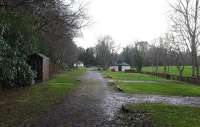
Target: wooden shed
{"points": [[39, 64]]}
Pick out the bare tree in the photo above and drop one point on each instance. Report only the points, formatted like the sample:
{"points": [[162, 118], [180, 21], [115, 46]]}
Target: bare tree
{"points": [[186, 26], [140, 54], [178, 52], [156, 54], [104, 51], [128, 54]]}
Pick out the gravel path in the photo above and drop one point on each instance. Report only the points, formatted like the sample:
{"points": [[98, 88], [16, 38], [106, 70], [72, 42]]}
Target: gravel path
{"points": [[83, 108], [94, 104]]}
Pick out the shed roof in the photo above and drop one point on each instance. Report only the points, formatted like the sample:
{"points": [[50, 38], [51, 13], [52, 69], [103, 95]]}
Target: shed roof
{"points": [[40, 55], [121, 64], [79, 62]]}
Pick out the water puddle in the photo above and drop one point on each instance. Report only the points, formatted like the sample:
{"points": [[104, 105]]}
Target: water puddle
{"points": [[114, 100]]}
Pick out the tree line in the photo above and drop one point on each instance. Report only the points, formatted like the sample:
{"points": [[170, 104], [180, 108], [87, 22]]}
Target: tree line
{"points": [[50, 26], [37, 26], [178, 47], [161, 52]]}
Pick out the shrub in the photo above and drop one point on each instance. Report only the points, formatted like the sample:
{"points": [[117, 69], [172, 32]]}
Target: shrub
{"points": [[24, 74], [17, 41], [15, 73]]}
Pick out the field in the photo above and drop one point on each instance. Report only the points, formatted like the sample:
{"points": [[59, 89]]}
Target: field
{"points": [[163, 115], [20, 106], [146, 84], [173, 70]]}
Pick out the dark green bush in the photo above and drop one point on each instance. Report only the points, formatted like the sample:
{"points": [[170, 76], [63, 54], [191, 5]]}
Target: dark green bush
{"points": [[17, 41], [15, 73], [24, 75]]}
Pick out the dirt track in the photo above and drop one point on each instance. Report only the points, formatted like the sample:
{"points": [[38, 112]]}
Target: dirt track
{"points": [[94, 104]]}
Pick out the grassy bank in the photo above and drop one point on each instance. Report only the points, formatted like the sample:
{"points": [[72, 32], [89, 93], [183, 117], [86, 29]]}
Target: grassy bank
{"points": [[23, 105], [147, 84], [173, 70], [168, 115]]}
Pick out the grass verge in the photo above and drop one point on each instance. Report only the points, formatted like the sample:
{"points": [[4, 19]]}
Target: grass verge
{"points": [[20, 106], [131, 76], [168, 115], [146, 84], [165, 88]]}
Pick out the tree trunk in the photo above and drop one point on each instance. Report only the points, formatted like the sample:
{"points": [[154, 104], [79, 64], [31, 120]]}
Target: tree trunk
{"points": [[168, 68], [193, 68], [181, 69], [156, 69], [193, 57], [165, 68], [196, 65]]}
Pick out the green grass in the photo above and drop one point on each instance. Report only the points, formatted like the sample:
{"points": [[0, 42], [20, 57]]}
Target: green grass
{"points": [[169, 116], [173, 70], [26, 104], [157, 86], [131, 76]]}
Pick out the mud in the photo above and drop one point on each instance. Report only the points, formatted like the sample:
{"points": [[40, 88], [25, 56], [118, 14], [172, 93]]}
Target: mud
{"points": [[94, 104]]}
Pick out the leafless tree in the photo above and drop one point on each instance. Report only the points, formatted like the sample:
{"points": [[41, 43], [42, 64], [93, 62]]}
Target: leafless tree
{"points": [[104, 51], [186, 26], [128, 54], [178, 52], [155, 54]]}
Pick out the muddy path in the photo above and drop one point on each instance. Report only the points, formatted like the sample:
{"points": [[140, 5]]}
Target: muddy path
{"points": [[82, 108], [94, 104]]}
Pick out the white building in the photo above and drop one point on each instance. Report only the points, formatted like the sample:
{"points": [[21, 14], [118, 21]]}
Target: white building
{"points": [[79, 64], [120, 67]]}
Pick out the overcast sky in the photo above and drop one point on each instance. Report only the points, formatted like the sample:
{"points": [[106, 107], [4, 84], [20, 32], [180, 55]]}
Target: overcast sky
{"points": [[125, 21]]}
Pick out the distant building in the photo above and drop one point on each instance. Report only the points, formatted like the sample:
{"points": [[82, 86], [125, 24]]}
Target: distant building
{"points": [[79, 64], [120, 67], [40, 64]]}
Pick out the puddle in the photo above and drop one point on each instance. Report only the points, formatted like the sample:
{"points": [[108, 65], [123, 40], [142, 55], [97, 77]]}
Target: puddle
{"points": [[114, 100]]}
